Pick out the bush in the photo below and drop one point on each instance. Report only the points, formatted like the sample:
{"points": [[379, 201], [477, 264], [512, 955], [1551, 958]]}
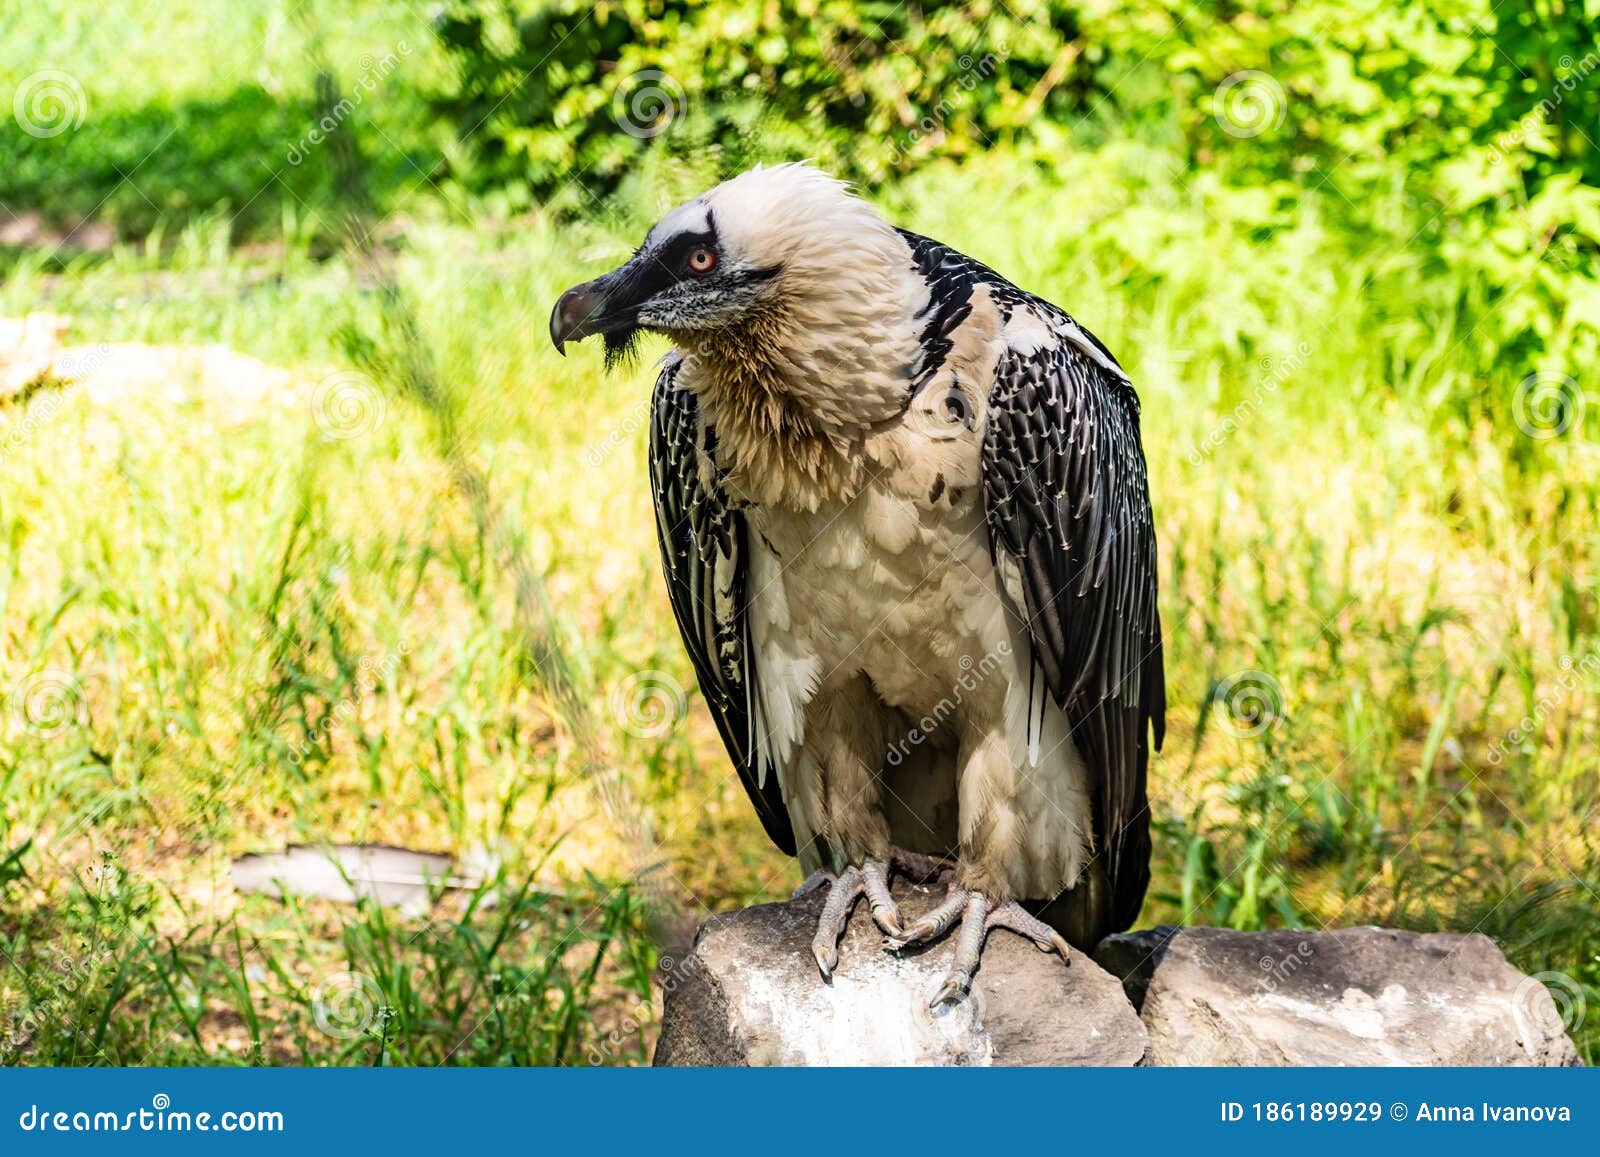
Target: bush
{"points": [[565, 91], [1334, 90], [1441, 131]]}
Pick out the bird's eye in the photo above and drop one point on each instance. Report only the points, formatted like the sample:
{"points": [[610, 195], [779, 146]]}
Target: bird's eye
{"points": [[702, 261]]}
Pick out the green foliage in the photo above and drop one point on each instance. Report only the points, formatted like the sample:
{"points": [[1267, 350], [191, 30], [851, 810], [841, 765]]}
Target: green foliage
{"points": [[511, 976], [1450, 128], [550, 94], [1444, 130], [1329, 91], [137, 126]]}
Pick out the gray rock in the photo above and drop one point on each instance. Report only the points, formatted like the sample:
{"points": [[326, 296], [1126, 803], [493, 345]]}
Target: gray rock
{"points": [[395, 877], [749, 994], [1358, 996]]}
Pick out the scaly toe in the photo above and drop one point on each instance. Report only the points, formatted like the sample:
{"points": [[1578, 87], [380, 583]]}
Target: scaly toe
{"points": [[885, 912], [813, 883], [847, 888], [1018, 919], [969, 950], [936, 923]]}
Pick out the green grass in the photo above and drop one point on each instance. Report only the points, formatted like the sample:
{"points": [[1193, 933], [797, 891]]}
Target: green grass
{"points": [[146, 124], [406, 594]]}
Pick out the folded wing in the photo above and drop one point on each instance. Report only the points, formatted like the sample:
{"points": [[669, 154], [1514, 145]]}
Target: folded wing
{"points": [[1068, 509], [706, 561]]}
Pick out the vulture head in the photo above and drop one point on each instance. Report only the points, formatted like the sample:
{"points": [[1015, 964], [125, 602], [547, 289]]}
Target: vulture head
{"points": [[781, 272]]}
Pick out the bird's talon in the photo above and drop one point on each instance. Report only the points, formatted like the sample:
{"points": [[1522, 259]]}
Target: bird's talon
{"points": [[1014, 917], [976, 913], [918, 933], [871, 880], [906, 938], [953, 991]]}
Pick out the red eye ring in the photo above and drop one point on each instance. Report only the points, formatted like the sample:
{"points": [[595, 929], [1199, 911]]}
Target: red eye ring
{"points": [[702, 260]]}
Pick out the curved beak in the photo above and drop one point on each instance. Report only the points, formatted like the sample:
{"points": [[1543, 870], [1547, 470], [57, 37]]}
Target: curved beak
{"points": [[608, 305], [579, 313]]}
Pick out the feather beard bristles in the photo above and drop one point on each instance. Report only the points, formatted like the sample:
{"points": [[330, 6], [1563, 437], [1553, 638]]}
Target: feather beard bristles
{"points": [[622, 349]]}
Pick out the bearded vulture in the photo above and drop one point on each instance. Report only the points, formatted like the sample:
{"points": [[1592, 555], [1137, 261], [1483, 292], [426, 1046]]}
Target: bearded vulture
{"points": [[904, 519]]}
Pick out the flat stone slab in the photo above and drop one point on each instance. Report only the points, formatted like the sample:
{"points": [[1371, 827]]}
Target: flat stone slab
{"points": [[1357, 996], [749, 993]]}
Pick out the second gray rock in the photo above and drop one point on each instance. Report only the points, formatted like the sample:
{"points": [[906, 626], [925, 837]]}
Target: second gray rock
{"points": [[1358, 996]]}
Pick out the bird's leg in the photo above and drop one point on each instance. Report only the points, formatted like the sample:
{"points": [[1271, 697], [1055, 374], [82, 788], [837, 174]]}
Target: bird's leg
{"points": [[846, 737], [980, 895], [813, 882], [978, 914], [918, 866], [870, 879]]}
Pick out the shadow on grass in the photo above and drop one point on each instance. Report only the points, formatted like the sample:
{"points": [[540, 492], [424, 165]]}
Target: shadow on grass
{"points": [[249, 158]]}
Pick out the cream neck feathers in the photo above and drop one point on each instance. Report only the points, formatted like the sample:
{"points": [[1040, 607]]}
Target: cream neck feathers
{"points": [[793, 393]]}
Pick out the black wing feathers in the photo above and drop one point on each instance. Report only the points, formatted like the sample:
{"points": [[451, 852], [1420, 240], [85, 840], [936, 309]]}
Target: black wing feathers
{"points": [[1067, 498], [700, 534]]}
